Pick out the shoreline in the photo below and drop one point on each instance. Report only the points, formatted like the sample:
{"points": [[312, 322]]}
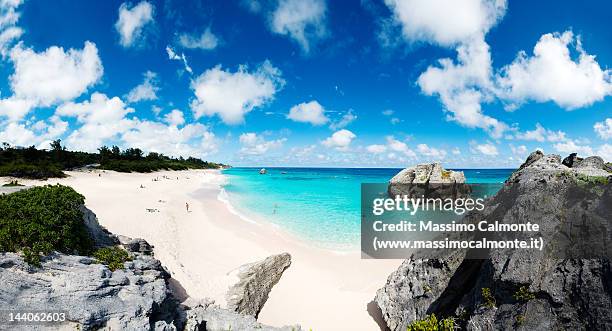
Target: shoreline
{"points": [[322, 289]]}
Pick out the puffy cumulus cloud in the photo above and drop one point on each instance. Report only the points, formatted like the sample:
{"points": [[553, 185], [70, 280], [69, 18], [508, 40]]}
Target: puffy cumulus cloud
{"points": [[147, 90], [604, 129], [254, 144], [571, 146], [190, 140], [132, 22], [518, 150], [206, 41], [54, 75], [175, 118], [432, 152], [399, 146], [39, 134], [605, 151], [541, 134], [102, 119], [463, 85], [301, 20], [487, 149], [308, 112], [172, 55], [376, 149], [552, 75], [14, 108], [9, 32], [446, 23], [339, 140], [346, 119], [231, 95]]}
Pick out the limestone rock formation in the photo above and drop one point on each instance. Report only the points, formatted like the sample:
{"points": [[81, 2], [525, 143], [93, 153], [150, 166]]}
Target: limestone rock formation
{"points": [[530, 289], [212, 318], [430, 180], [256, 280], [91, 295]]}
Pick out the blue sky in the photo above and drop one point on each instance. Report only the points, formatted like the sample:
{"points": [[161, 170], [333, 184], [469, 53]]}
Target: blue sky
{"points": [[371, 83]]}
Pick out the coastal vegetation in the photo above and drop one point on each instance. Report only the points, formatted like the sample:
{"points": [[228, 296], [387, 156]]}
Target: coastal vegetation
{"points": [[12, 183], [431, 323], [36, 163], [523, 294], [43, 219], [113, 257]]}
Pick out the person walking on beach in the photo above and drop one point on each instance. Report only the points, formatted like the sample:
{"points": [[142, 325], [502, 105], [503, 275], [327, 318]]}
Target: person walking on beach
{"points": [[187, 206]]}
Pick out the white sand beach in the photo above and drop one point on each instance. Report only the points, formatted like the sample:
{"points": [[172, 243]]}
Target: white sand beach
{"points": [[322, 290]]}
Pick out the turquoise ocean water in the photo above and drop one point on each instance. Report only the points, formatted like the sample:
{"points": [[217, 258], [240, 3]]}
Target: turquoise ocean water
{"points": [[321, 205]]}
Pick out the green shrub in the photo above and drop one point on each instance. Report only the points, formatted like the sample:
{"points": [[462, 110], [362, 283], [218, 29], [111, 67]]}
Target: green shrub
{"points": [[12, 184], [113, 257], [487, 297], [431, 323], [523, 294], [520, 319], [43, 219]]}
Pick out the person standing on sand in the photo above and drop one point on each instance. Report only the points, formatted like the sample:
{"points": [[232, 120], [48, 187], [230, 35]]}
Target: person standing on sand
{"points": [[187, 206]]}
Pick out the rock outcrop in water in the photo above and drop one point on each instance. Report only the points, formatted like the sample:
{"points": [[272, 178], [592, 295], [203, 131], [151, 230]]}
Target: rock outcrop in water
{"points": [[525, 289], [430, 180], [256, 280]]}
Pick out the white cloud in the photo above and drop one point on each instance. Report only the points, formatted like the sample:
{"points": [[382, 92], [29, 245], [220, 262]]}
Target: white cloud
{"points": [[542, 134], [14, 108], [339, 139], [571, 146], [9, 32], [175, 118], [518, 150], [456, 151], [301, 20], [190, 140], [132, 22], [605, 151], [172, 55], [462, 86], [376, 149], [54, 75], [552, 75], [206, 41], [387, 112], [102, 119], [346, 119], [399, 146], [39, 134], [446, 23], [487, 149], [231, 95], [431, 152], [253, 144], [604, 129], [308, 112], [147, 90]]}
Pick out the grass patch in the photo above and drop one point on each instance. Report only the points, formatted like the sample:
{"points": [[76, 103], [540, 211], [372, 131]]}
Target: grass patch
{"points": [[431, 323], [12, 183], [488, 298], [593, 180], [113, 257], [523, 294], [42, 219]]}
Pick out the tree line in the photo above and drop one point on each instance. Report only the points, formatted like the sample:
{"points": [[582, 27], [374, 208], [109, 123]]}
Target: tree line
{"points": [[36, 163]]}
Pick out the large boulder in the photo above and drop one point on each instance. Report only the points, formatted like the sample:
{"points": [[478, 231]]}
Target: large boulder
{"points": [[212, 318], [530, 289], [91, 295], [430, 180], [256, 280]]}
